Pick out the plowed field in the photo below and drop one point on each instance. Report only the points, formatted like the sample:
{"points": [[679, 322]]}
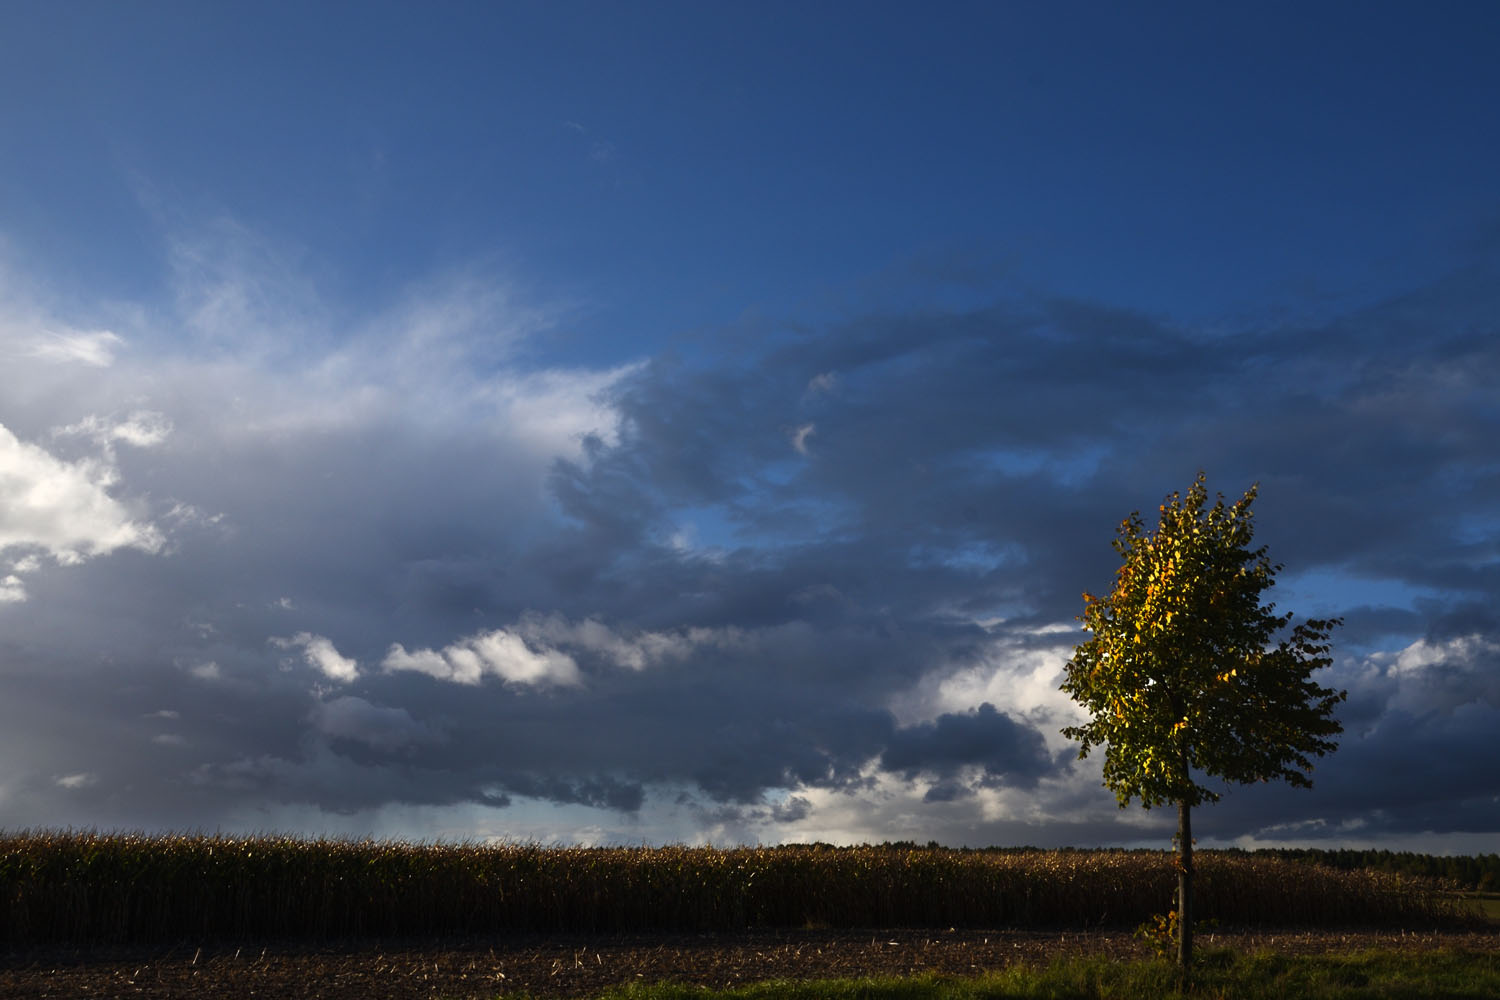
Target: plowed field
{"points": [[583, 966]]}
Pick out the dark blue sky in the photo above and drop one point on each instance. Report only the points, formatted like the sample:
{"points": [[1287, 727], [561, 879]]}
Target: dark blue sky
{"points": [[600, 422]]}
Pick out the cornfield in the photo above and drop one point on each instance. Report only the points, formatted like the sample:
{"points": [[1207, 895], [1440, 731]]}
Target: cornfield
{"points": [[93, 888]]}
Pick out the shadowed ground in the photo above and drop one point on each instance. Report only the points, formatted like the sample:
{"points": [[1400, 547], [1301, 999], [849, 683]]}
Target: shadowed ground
{"points": [[582, 966]]}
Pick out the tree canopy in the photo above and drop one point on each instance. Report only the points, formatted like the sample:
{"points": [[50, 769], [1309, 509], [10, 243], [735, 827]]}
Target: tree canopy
{"points": [[1182, 677]]}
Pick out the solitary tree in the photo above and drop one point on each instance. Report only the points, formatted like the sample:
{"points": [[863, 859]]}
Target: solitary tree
{"points": [[1182, 681]]}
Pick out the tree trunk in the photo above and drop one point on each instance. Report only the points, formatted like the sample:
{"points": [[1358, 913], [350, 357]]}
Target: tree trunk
{"points": [[1184, 887]]}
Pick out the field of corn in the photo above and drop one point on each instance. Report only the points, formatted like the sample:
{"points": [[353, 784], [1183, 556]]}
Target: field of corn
{"points": [[88, 888]]}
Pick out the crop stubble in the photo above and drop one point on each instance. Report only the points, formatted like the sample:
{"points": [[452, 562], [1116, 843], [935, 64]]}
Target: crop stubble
{"points": [[586, 965]]}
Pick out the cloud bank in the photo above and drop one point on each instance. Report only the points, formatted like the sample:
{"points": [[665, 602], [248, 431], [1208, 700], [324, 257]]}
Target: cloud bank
{"points": [[269, 565]]}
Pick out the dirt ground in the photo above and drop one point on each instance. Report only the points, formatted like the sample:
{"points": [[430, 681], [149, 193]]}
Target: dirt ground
{"points": [[584, 966]]}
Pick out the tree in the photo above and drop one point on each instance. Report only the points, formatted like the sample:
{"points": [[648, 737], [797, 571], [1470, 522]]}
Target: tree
{"points": [[1181, 679]]}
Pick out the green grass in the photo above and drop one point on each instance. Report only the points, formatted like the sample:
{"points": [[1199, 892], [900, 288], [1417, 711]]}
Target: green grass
{"points": [[1483, 904], [1220, 975]]}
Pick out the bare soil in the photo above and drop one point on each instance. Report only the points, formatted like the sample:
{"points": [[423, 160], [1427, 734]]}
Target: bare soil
{"points": [[585, 966]]}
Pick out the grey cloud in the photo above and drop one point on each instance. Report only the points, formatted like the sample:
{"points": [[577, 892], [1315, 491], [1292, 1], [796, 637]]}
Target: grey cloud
{"points": [[1410, 776], [603, 792], [947, 790], [350, 718], [985, 738], [1418, 730], [793, 809], [968, 467]]}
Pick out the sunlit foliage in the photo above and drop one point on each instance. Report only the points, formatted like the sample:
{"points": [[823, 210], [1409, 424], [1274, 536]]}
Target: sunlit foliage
{"points": [[1184, 678]]}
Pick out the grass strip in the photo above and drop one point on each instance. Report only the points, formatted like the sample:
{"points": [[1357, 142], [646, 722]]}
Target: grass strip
{"points": [[1220, 975]]}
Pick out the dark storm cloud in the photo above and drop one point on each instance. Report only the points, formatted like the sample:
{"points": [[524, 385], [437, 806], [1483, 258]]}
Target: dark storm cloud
{"points": [[984, 738], [1413, 757], [1016, 426], [789, 707], [843, 515], [955, 462]]}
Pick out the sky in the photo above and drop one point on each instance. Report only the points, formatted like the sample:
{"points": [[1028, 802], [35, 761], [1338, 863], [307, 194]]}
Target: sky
{"points": [[600, 423]]}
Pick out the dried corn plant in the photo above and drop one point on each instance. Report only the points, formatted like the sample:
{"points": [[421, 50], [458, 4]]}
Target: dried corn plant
{"points": [[89, 887]]}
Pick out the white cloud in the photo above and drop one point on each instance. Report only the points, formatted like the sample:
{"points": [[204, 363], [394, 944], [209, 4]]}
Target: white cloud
{"points": [[209, 671], [1013, 671], [321, 654], [93, 348], [12, 589], [800, 436], [449, 666], [142, 428], [820, 385], [682, 540], [1422, 654], [540, 649], [460, 315], [63, 508], [635, 652], [1430, 678], [553, 410], [185, 515], [234, 286], [499, 652], [440, 359], [83, 779]]}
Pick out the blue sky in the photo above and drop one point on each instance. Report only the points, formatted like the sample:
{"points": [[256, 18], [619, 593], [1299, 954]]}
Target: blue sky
{"points": [[657, 422]]}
